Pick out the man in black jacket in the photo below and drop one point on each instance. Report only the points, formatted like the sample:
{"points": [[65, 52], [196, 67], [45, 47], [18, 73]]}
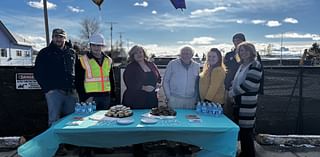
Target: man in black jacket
{"points": [[232, 65], [54, 71]]}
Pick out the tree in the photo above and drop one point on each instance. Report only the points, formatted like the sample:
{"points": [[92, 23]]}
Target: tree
{"points": [[89, 26], [315, 48]]}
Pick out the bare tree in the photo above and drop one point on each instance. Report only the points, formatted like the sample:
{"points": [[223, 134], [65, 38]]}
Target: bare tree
{"points": [[89, 26], [315, 48]]}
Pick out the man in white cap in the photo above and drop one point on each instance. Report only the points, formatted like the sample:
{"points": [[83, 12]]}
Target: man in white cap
{"points": [[94, 74]]}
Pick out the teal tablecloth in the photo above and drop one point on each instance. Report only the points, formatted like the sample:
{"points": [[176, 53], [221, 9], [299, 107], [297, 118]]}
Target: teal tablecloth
{"points": [[217, 136]]}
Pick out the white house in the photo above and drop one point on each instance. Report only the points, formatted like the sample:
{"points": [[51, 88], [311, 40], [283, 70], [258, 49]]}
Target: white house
{"points": [[13, 50]]}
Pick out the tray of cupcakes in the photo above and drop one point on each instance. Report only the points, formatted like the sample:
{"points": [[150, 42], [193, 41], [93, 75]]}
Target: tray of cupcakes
{"points": [[122, 114], [161, 112], [119, 111]]}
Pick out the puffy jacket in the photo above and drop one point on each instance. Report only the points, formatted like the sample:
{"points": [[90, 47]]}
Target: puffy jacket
{"points": [[55, 68]]}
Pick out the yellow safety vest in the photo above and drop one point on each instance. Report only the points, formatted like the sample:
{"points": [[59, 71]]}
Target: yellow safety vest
{"points": [[96, 76]]}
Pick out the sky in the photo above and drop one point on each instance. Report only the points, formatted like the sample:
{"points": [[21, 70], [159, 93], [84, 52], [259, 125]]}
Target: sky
{"points": [[162, 29]]}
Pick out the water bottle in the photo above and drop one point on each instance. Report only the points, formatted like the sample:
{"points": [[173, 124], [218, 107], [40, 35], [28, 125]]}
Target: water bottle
{"points": [[204, 108], [198, 107], [220, 110], [94, 106], [214, 109], [83, 107], [77, 108], [210, 109], [89, 107]]}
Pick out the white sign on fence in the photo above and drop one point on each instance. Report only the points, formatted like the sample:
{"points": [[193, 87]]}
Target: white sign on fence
{"points": [[26, 81]]}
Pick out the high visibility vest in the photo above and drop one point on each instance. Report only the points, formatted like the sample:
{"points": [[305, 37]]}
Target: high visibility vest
{"points": [[96, 76]]}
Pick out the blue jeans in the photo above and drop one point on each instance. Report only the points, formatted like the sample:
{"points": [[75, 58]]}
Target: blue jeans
{"points": [[60, 103]]}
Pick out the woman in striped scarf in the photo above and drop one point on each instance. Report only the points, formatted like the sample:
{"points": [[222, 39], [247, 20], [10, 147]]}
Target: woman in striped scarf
{"points": [[244, 90]]}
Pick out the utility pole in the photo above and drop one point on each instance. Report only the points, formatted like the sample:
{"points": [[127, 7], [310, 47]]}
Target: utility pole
{"points": [[111, 28], [45, 12], [120, 34], [281, 48]]}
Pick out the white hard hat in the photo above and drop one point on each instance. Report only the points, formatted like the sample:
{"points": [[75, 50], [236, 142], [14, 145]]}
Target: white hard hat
{"points": [[97, 39]]}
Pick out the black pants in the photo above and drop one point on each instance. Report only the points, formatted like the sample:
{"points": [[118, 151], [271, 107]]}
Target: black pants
{"points": [[103, 102], [247, 143], [246, 138]]}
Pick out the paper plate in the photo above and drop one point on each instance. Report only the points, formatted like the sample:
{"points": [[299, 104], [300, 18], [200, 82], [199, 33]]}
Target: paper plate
{"points": [[125, 121], [149, 120]]}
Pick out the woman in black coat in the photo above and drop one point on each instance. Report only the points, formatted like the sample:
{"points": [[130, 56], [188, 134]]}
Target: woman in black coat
{"points": [[142, 79]]}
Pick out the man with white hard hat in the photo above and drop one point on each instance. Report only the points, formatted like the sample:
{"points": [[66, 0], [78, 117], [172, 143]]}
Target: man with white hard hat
{"points": [[94, 74]]}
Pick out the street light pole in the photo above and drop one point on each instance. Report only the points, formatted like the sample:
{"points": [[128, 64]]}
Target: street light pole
{"points": [[45, 13]]}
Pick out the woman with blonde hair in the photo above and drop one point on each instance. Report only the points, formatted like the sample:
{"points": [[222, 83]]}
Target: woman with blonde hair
{"points": [[211, 82], [244, 90]]}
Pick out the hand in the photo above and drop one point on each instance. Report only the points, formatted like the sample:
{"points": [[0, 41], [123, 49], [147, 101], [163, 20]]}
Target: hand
{"points": [[230, 94], [158, 86], [148, 88]]}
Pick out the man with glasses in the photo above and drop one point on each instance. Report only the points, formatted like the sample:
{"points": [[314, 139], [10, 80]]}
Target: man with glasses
{"points": [[54, 71]]}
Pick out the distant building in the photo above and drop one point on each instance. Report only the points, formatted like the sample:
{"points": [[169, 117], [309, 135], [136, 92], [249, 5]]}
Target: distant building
{"points": [[13, 51]]}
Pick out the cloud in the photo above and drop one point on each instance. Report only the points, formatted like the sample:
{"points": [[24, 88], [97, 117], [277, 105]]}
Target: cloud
{"points": [[317, 38], [75, 9], [171, 50], [154, 12], [273, 23], [290, 20], [294, 35], [174, 21], [239, 21], [206, 12], [39, 5], [143, 4], [257, 21], [254, 5], [32, 26], [199, 41], [169, 21]]}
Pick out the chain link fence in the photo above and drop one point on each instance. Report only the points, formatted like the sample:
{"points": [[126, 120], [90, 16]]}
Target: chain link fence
{"points": [[291, 101]]}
